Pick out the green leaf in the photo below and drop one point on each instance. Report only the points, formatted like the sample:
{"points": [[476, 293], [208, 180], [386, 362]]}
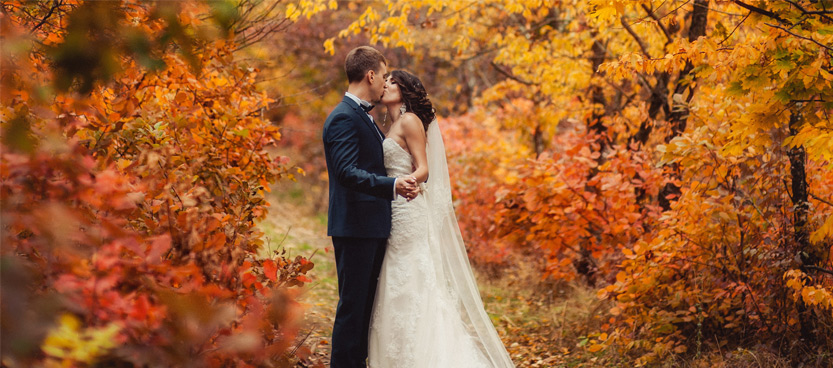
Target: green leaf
{"points": [[781, 54], [783, 96], [825, 30], [702, 70], [736, 89], [784, 64]]}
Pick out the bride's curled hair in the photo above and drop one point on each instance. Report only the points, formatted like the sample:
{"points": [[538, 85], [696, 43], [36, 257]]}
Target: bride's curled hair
{"points": [[414, 96]]}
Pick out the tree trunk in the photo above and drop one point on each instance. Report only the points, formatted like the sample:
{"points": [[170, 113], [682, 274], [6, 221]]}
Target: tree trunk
{"points": [[801, 234], [597, 96], [678, 117], [595, 126], [659, 102], [538, 140], [799, 190]]}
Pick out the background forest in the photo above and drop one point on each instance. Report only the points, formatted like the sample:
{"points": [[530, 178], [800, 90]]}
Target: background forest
{"points": [[640, 183]]}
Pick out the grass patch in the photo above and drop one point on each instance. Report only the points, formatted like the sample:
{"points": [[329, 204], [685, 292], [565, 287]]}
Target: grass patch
{"points": [[545, 324]]}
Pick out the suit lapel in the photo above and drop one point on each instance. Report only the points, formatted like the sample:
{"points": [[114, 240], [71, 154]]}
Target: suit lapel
{"points": [[362, 115]]}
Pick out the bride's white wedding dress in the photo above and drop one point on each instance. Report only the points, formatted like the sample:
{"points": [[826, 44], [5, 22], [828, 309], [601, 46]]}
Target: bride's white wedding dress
{"points": [[427, 311]]}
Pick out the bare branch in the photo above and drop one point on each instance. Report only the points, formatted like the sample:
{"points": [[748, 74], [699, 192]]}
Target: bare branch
{"points": [[763, 12], [635, 37], [736, 27], [829, 49], [658, 21], [821, 199], [816, 268], [822, 13], [510, 75], [55, 5]]}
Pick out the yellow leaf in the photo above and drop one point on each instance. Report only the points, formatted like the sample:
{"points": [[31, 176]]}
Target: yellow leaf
{"points": [[123, 163], [824, 74], [329, 46], [823, 232], [292, 12]]}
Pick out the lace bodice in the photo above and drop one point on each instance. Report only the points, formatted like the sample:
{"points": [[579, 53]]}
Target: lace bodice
{"points": [[408, 222], [398, 162]]}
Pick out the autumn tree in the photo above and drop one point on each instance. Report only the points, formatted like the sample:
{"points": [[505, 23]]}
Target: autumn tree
{"points": [[675, 153], [134, 168]]}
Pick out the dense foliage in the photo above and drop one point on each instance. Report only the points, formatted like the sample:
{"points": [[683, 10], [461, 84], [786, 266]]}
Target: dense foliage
{"points": [[134, 166], [676, 154]]}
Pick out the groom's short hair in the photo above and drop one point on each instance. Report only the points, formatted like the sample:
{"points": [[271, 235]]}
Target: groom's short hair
{"points": [[360, 60]]}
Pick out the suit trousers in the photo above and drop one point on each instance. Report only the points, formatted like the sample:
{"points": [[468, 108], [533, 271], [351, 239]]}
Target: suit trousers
{"points": [[358, 263]]}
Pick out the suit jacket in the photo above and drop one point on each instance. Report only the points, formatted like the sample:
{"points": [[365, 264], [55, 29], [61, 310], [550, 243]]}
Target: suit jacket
{"points": [[360, 191]]}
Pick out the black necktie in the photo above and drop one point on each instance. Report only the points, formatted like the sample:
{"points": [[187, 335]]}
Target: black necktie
{"points": [[366, 106]]}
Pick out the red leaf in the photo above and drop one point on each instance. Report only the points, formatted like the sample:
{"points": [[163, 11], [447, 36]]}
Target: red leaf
{"points": [[140, 308], [248, 279], [270, 270]]}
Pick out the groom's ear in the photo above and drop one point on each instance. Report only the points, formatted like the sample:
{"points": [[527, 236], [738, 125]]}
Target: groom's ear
{"points": [[380, 72]]}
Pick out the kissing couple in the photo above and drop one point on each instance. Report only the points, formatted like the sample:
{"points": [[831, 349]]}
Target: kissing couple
{"points": [[407, 294]]}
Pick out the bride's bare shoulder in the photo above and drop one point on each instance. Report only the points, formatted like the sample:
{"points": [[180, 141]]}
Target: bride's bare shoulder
{"points": [[410, 122]]}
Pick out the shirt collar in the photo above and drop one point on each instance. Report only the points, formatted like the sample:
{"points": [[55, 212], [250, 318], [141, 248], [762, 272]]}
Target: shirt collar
{"points": [[366, 105]]}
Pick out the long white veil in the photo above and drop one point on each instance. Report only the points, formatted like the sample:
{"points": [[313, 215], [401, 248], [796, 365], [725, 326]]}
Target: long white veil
{"points": [[450, 251]]}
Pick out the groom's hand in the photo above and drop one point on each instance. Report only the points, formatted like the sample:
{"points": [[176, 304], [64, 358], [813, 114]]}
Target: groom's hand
{"points": [[406, 186]]}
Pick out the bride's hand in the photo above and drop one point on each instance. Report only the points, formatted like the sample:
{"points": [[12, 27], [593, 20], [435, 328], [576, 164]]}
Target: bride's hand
{"points": [[406, 186], [415, 190]]}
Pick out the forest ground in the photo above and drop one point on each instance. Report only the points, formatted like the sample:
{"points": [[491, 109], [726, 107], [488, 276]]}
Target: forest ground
{"points": [[524, 320], [541, 324]]}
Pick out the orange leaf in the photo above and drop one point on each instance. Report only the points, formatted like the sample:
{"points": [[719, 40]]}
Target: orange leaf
{"points": [[270, 270]]}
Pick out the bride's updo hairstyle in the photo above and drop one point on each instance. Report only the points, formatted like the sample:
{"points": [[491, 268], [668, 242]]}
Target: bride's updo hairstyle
{"points": [[414, 96]]}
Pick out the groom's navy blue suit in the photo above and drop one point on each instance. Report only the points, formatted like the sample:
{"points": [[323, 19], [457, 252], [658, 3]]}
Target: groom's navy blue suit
{"points": [[359, 222]]}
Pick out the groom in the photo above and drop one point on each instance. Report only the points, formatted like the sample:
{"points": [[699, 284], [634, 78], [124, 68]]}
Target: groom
{"points": [[360, 198]]}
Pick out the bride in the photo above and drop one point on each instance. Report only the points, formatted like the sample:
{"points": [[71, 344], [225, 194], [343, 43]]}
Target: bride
{"points": [[427, 311]]}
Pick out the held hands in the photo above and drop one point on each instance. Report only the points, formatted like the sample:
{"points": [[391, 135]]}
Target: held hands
{"points": [[407, 187]]}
